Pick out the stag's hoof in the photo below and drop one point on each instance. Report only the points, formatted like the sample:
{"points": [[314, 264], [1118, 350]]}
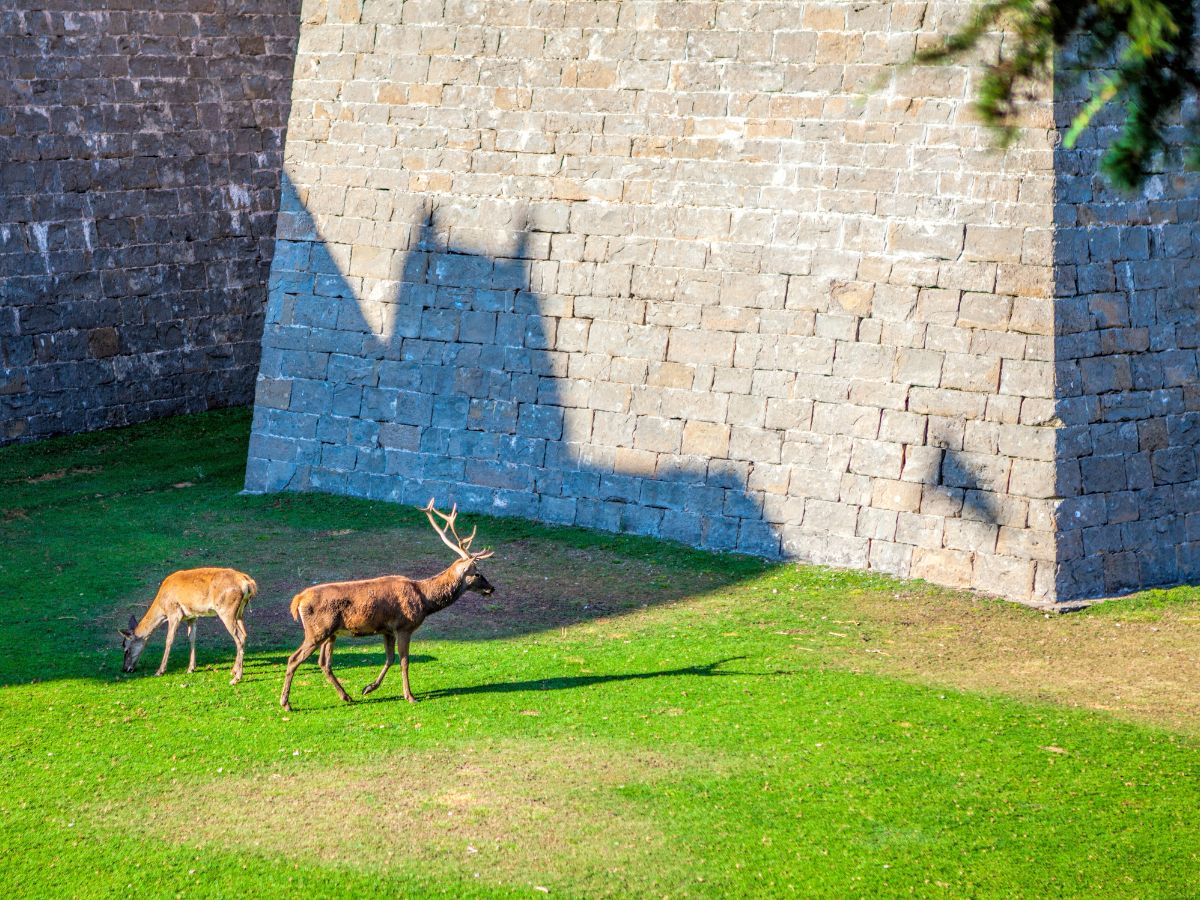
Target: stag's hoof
{"points": [[235, 679], [411, 699], [287, 707], [370, 687], [160, 672]]}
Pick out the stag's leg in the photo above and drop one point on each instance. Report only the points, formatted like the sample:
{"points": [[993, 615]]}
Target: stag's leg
{"points": [[192, 626], [326, 660], [237, 631], [304, 651], [172, 624], [403, 639], [389, 643], [324, 656]]}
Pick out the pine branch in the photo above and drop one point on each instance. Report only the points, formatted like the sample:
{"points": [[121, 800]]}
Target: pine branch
{"points": [[1142, 48]]}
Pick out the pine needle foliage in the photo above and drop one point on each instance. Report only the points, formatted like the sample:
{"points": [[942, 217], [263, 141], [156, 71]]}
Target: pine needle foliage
{"points": [[1135, 53]]}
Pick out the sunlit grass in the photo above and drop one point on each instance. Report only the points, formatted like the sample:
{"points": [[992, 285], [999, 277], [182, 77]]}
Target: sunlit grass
{"points": [[624, 717]]}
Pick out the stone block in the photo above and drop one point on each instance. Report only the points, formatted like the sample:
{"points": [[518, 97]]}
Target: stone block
{"points": [[877, 459], [700, 348], [965, 372], [1003, 576], [658, 435], [920, 367], [706, 439], [897, 495], [953, 568], [934, 240]]}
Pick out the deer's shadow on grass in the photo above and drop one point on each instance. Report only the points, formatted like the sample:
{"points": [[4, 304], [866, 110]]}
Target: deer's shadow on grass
{"points": [[569, 682], [347, 661], [533, 685]]}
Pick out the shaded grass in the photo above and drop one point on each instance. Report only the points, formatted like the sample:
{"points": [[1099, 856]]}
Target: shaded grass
{"points": [[623, 717]]}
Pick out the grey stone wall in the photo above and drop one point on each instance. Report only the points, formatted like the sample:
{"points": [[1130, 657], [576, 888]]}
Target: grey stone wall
{"points": [[140, 149], [669, 268], [1126, 358]]}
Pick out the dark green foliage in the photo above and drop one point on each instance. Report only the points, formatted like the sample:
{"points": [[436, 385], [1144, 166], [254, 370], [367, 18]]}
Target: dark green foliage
{"points": [[1137, 53]]}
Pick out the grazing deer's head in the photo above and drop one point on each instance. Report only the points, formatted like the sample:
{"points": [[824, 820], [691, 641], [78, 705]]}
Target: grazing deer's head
{"points": [[468, 571], [132, 645]]}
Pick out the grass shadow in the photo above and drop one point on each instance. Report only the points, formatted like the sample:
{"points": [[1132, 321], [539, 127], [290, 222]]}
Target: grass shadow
{"points": [[92, 523], [573, 682]]}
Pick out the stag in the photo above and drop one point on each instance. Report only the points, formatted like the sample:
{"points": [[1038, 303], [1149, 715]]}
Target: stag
{"points": [[392, 606], [185, 596]]}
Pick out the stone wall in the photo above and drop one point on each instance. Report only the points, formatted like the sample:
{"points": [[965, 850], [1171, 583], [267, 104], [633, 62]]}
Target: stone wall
{"points": [[668, 268], [140, 151], [1126, 351]]}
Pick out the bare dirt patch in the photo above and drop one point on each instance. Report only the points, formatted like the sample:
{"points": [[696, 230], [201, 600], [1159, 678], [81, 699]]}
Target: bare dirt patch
{"points": [[514, 813], [1144, 670], [59, 474]]}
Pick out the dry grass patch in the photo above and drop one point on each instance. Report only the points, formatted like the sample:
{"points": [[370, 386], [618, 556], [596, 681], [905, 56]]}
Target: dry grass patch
{"points": [[1140, 668], [59, 474], [512, 812]]}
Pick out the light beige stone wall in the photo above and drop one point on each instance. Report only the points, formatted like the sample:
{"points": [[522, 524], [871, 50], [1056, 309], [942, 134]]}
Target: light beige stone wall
{"points": [[668, 267]]}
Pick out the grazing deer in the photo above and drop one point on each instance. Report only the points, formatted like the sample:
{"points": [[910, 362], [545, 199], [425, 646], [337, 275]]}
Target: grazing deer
{"points": [[185, 596], [393, 606]]}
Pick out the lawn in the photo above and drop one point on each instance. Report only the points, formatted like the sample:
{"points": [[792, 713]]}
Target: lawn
{"points": [[622, 717]]}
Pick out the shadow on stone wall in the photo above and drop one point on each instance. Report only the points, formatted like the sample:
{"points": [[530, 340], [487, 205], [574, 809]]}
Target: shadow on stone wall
{"points": [[1126, 339], [449, 387]]}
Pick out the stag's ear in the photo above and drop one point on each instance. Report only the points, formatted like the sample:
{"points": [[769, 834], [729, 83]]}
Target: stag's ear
{"points": [[132, 623], [125, 634]]}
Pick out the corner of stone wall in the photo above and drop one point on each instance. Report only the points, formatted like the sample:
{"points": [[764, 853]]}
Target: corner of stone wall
{"points": [[1127, 357]]}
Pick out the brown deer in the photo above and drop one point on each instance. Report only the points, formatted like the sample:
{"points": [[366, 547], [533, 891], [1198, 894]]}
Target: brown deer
{"points": [[392, 605], [185, 596]]}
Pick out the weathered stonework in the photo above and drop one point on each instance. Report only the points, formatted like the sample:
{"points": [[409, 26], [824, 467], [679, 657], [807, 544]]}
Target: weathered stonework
{"points": [[671, 268], [668, 267], [140, 151], [1127, 341]]}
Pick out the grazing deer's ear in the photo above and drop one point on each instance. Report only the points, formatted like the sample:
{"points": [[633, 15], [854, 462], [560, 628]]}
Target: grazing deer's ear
{"points": [[132, 623], [123, 633]]}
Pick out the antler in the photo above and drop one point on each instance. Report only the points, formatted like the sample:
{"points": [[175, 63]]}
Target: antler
{"points": [[461, 546]]}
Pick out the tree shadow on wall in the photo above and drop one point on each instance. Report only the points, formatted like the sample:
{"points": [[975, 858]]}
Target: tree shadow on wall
{"points": [[449, 385]]}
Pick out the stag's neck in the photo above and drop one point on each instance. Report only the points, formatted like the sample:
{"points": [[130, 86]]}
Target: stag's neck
{"points": [[441, 590]]}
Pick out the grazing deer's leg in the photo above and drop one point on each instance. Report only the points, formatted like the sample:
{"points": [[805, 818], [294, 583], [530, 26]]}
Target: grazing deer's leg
{"points": [[326, 659], [403, 639], [241, 651], [302, 653], [192, 626], [237, 631], [389, 643], [323, 656], [172, 624]]}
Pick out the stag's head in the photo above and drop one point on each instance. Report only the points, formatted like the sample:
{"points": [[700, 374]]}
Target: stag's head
{"points": [[467, 564], [132, 645]]}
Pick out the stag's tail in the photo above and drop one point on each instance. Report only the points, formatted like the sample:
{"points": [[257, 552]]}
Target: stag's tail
{"points": [[296, 606], [249, 590]]}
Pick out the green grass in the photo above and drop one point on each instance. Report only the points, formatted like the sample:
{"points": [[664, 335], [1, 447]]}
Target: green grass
{"points": [[629, 717]]}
